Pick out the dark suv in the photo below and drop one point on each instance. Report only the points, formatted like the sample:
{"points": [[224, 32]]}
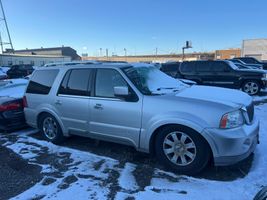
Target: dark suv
{"points": [[224, 73], [19, 71], [251, 60]]}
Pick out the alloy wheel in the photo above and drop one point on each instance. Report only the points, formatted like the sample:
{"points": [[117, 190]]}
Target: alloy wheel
{"points": [[179, 148], [50, 128], [251, 88]]}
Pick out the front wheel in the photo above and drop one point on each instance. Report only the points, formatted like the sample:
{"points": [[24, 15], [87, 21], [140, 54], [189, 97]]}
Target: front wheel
{"points": [[182, 149], [51, 129], [251, 87]]}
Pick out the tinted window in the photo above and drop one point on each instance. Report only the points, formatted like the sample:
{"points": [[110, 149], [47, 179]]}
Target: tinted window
{"points": [[106, 80], [170, 67], [42, 81], [188, 67], [76, 82], [202, 67], [219, 66]]}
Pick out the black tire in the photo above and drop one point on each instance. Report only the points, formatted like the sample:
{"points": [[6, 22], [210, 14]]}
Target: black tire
{"points": [[59, 137], [202, 150], [251, 83]]}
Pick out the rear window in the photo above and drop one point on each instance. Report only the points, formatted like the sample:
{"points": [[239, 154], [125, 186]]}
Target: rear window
{"points": [[42, 81]]}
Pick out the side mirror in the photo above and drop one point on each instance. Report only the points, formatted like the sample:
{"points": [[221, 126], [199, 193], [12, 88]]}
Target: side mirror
{"points": [[121, 91]]}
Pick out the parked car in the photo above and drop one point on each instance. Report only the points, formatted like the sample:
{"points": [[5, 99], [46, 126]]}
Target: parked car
{"points": [[172, 69], [224, 73], [2, 75], [11, 114], [243, 65], [251, 60], [19, 71], [137, 104]]}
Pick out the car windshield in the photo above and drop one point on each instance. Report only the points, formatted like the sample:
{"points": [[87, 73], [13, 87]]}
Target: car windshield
{"points": [[151, 81]]}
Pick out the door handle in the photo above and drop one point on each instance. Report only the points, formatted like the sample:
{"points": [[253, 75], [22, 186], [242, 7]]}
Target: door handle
{"points": [[58, 102], [98, 106]]}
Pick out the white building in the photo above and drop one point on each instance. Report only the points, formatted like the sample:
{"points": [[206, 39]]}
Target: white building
{"points": [[256, 48], [36, 60]]}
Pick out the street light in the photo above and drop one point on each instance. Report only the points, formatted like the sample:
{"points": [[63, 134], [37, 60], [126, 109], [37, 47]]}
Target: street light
{"points": [[188, 45]]}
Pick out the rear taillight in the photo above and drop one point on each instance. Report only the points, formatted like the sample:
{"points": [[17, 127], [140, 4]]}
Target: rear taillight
{"points": [[24, 102], [10, 106]]}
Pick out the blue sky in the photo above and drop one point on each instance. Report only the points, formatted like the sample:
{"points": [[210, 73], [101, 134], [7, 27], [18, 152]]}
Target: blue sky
{"points": [[140, 26]]}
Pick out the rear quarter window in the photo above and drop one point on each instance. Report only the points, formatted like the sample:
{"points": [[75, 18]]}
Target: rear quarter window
{"points": [[42, 81], [188, 67]]}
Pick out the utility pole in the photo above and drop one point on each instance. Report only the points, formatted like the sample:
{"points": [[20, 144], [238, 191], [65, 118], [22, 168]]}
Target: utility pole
{"points": [[3, 18], [107, 53], [156, 51], [125, 54], [100, 51]]}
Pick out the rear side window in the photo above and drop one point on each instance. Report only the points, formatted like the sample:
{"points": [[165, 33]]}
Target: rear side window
{"points": [[188, 67], [170, 67], [202, 66], [76, 82], [42, 81]]}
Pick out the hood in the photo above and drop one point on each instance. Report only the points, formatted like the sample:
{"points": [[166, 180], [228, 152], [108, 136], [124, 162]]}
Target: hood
{"points": [[217, 95]]}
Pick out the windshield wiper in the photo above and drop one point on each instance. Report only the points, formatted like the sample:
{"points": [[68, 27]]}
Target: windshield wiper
{"points": [[167, 88]]}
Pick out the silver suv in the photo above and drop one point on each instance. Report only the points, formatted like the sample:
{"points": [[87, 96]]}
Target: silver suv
{"points": [[137, 104]]}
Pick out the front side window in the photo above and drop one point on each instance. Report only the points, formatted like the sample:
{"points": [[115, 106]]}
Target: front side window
{"points": [[219, 66], [106, 80], [42, 81], [76, 82]]}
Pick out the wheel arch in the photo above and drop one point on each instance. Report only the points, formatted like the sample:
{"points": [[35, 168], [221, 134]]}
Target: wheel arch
{"points": [[157, 131], [43, 112]]}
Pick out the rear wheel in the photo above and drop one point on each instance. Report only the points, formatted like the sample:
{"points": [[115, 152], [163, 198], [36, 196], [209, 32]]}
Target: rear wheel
{"points": [[51, 129], [182, 149], [251, 87]]}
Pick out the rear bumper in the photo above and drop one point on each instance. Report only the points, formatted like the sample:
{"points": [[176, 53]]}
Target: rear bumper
{"points": [[233, 145], [12, 120]]}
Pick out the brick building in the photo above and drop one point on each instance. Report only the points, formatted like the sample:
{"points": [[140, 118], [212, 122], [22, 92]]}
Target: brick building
{"points": [[227, 53]]}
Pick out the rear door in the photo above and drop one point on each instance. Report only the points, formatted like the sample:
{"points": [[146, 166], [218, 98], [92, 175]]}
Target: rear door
{"points": [[114, 118], [203, 71], [73, 98]]}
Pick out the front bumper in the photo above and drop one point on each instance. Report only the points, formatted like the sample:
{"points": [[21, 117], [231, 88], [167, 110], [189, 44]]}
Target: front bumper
{"points": [[233, 145], [264, 83]]}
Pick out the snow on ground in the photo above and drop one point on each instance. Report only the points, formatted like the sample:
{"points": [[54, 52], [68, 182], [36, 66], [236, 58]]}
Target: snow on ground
{"points": [[86, 175]]}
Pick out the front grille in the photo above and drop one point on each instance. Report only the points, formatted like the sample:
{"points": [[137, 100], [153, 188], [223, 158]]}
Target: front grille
{"points": [[250, 111]]}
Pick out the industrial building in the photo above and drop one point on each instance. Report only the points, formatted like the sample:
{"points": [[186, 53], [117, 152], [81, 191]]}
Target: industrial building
{"points": [[256, 48], [54, 51], [156, 58], [36, 60]]}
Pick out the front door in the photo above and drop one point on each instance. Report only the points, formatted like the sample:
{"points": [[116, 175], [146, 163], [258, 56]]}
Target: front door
{"points": [[113, 118]]}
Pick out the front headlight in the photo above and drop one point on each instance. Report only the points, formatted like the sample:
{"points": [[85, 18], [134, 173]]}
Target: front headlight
{"points": [[232, 119]]}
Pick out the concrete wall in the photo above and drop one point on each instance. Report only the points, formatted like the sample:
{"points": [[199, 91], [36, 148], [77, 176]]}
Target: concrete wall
{"points": [[255, 48], [13, 59]]}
